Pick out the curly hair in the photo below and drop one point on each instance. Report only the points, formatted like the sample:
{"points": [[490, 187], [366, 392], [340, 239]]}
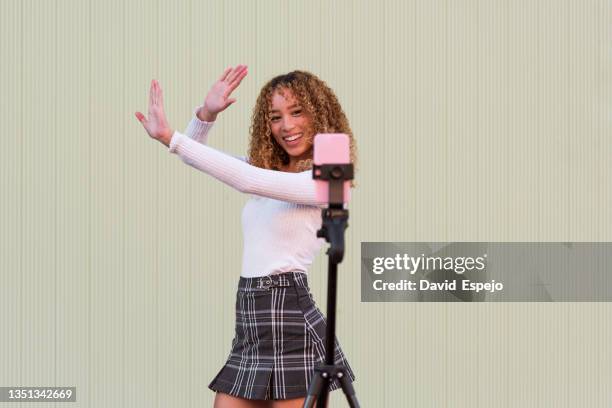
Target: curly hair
{"points": [[316, 98]]}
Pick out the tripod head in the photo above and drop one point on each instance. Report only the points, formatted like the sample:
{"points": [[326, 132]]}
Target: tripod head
{"points": [[335, 217]]}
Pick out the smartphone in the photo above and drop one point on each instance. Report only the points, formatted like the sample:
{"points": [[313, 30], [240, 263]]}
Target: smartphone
{"points": [[331, 148]]}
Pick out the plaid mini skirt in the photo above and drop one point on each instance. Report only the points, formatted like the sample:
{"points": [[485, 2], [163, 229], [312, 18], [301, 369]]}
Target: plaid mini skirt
{"points": [[280, 338]]}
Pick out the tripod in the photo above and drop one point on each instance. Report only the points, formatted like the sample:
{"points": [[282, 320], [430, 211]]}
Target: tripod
{"points": [[335, 221]]}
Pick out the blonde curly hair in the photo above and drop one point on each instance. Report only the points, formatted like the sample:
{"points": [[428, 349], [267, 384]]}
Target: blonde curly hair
{"points": [[316, 98]]}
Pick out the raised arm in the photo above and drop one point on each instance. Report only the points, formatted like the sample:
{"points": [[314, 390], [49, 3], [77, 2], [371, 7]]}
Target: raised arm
{"points": [[297, 188], [218, 97], [293, 187], [216, 101]]}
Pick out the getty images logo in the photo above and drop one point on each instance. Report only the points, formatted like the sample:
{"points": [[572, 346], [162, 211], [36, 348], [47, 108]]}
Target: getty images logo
{"points": [[423, 263]]}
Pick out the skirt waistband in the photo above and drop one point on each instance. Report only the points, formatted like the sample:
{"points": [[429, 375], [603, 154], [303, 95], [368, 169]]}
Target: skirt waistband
{"points": [[285, 279]]}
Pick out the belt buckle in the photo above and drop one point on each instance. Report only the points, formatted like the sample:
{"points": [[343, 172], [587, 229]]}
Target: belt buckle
{"points": [[268, 282]]}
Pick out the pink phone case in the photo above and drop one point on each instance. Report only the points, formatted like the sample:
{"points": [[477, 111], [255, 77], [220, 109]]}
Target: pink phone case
{"points": [[331, 148]]}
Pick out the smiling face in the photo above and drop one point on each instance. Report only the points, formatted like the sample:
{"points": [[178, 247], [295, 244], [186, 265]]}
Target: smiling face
{"points": [[291, 126]]}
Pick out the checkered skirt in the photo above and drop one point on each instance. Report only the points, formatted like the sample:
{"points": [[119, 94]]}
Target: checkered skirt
{"points": [[280, 338]]}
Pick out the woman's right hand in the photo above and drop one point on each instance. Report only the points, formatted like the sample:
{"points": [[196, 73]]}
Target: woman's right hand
{"points": [[218, 98]]}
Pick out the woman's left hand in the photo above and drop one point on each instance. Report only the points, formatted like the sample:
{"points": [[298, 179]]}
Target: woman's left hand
{"points": [[218, 98], [156, 124]]}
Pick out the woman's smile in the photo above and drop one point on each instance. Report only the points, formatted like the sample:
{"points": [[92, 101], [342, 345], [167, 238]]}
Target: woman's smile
{"points": [[293, 140]]}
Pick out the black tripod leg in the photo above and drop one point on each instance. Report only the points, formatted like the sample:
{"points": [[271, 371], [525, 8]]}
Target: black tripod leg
{"points": [[314, 390], [349, 391], [323, 397], [334, 222]]}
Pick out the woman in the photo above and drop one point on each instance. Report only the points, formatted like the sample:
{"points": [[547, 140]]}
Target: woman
{"points": [[279, 330]]}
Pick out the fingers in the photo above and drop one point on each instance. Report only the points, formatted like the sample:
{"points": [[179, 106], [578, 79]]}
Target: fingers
{"points": [[236, 73], [239, 78], [152, 93], [141, 118], [240, 74], [160, 94], [225, 73], [156, 95]]}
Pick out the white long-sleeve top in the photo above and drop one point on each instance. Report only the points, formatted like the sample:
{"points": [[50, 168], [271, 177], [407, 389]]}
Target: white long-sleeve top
{"points": [[279, 221]]}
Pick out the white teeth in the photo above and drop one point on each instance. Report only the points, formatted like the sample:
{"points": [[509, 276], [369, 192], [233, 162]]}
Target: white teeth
{"points": [[292, 138]]}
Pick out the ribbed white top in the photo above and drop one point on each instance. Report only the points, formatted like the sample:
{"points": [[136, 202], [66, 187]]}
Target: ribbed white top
{"points": [[279, 222]]}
